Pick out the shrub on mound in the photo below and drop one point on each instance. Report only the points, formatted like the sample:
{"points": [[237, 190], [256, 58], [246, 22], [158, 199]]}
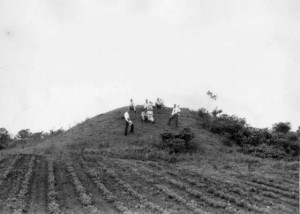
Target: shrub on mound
{"points": [[280, 143], [178, 143]]}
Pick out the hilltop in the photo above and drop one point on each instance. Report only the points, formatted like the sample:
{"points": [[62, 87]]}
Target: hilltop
{"points": [[94, 168], [106, 132]]}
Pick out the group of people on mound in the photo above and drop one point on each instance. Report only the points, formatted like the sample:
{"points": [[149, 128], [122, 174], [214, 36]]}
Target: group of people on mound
{"points": [[147, 113]]}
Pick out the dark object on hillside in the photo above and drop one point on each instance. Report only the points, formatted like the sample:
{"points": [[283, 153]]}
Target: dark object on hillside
{"points": [[178, 143]]}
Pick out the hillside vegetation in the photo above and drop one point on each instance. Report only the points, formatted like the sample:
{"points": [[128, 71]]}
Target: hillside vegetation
{"points": [[94, 168]]}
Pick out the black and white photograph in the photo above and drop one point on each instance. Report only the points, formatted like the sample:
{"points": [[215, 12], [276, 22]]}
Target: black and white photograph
{"points": [[149, 106]]}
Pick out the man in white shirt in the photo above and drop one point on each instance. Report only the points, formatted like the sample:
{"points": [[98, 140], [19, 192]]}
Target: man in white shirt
{"points": [[132, 106], [128, 122], [175, 115], [146, 105]]}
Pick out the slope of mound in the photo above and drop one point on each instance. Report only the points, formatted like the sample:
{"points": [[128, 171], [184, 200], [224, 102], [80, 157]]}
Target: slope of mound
{"points": [[108, 130]]}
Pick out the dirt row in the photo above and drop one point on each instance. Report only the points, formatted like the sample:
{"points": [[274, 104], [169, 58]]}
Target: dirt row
{"points": [[87, 183], [224, 196], [24, 186]]}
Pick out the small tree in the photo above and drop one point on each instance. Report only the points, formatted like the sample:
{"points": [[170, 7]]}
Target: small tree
{"points": [[24, 133], [211, 95], [4, 138], [282, 127], [216, 111], [298, 131]]}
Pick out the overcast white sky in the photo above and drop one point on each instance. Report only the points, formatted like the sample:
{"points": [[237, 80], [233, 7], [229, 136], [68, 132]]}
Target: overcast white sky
{"points": [[62, 61]]}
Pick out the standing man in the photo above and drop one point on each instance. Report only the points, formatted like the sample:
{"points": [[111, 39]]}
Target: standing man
{"points": [[175, 115], [146, 105], [132, 106], [128, 122]]}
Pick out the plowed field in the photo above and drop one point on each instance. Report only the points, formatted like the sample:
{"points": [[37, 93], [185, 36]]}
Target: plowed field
{"points": [[91, 183]]}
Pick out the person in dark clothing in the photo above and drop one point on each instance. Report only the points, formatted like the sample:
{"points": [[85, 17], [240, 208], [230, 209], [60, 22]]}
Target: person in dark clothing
{"points": [[159, 104], [128, 123]]}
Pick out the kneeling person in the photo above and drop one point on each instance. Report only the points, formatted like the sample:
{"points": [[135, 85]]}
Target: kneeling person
{"points": [[159, 104], [148, 115]]}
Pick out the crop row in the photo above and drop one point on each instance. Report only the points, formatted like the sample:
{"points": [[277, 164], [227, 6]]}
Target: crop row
{"points": [[53, 206], [259, 186], [190, 204], [193, 192], [21, 197], [84, 198], [290, 181], [271, 184], [109, 196], [9, 169], [212, 190], [140, 197], [180, 185], [235, 188], [274, 190], [249, 193]]}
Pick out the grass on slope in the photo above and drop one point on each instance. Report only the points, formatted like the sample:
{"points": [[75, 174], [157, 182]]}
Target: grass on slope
{"points": [[105, 134]]}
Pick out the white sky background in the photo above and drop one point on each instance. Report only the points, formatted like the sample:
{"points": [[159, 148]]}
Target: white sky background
{"points": [[62, 61]]}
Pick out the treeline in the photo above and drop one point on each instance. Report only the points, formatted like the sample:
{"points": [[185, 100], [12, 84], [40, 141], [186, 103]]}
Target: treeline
{"points": [[279, 142], [24, 136]]}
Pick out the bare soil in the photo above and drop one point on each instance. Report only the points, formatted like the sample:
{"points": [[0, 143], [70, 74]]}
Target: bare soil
{"points": [[145, 187]]}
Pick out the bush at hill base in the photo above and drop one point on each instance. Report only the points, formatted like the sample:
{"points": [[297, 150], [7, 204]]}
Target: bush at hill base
{"points": [[181, 142], [263, 143]]}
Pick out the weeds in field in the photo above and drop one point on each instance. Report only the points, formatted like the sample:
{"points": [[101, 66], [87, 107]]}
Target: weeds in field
{"points": [[211, 189], [93, 174], [195, 193], [21, 198], [192, 205], [53, 206], [228, 197], [189, 204], [143, 200]]}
